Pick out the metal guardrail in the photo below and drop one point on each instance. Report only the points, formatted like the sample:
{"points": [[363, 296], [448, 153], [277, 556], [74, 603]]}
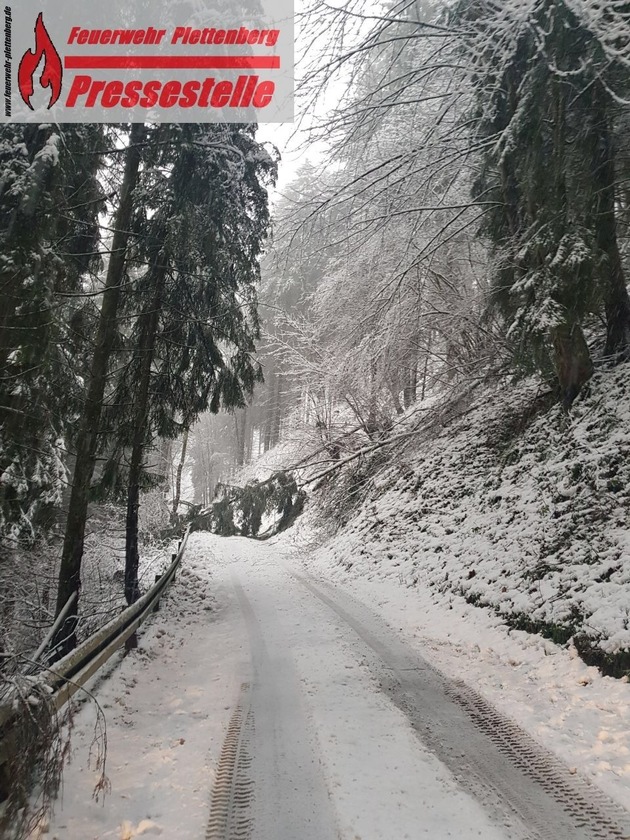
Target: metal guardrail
{"points": [[66, 676]]}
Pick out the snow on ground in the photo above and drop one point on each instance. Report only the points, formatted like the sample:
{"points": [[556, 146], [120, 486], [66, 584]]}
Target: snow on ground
{"points": [[311, 678], [167, 706], [315, 706], [564, 704], [527, 518], [169, 703]]}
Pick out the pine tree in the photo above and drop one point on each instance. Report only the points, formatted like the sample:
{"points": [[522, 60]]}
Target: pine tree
{"points": [[50, 198], [89, 425], [543, 111], [195, 339], [182, 333]]}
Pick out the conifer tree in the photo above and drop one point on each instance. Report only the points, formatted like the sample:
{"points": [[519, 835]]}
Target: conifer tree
{"points": [[89, 424], [50, 198], [189, 227], [543, 94], [205, 217]]}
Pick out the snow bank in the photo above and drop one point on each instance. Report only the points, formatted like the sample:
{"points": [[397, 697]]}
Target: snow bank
{"points": [[514, 508]]}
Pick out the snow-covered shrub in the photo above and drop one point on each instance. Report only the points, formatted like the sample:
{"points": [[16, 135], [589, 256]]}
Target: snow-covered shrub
{"points": [[153, 517]]}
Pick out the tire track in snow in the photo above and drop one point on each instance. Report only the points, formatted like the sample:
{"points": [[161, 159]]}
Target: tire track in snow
{"points": [[232, 791], [489, 755], [591, 808], [291, 801]]}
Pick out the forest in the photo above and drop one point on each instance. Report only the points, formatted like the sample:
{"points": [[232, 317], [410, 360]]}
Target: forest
{"points": [[457, 226], [463, 219]]}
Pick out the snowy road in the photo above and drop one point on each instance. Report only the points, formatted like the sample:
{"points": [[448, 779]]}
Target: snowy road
{"points": [[290, 711]]}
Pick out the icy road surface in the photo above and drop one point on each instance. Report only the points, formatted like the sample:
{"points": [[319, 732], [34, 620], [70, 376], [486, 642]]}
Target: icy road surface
{"points": [[265, 705]]}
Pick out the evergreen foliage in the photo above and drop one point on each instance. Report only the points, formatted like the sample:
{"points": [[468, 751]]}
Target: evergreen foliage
{"points": [[50, 198], [240, 510], [202, 217], [544, 109], [178, 321]]}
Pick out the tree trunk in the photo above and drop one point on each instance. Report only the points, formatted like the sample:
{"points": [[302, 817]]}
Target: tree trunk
{"points": [[425, 367], [150, 321], [249, 438], [277, 410], [165, 465], [572, 359], [571, 356], [180, 468], [371, 421], [269, 411], [411, 380], [87, 439], [392, 387], [240, 431]]}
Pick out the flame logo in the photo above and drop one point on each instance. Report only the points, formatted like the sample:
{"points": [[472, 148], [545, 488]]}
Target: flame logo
{"points": [[52, 72]]}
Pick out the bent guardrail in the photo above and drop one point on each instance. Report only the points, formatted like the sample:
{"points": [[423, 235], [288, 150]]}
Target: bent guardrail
{"points": [[66, 676]]}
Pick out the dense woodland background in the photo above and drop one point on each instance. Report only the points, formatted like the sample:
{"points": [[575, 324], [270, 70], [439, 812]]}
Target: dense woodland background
{"points": [[461, 225]]}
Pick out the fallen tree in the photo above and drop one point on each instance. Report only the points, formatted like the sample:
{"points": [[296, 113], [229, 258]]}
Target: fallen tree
{"points": [[241, 510]]}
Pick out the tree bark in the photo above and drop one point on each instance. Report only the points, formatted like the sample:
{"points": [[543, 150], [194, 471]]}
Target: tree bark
{"points": [[166, 460], [571, 356], [393, 387], [573, 363], [277, 410], [180, 468], [249, 437], [411, 379], [87, 439], [425, 366], [371, 421], [150, 321], [269, 411], [240, 431]]}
